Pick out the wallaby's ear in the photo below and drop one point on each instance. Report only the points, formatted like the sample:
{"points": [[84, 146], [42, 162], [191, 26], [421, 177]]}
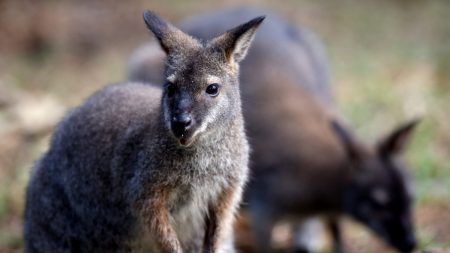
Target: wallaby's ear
{"points": [[236, 42], [396, 141], [170, 38], [347, 140]]}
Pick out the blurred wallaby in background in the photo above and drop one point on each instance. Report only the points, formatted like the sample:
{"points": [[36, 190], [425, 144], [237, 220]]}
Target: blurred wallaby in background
{"points": [[304, 161], [138, 168]]}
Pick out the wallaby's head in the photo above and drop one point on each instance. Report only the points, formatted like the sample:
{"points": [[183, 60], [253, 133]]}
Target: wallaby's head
{"points": [[201, 90], [378, 194]]}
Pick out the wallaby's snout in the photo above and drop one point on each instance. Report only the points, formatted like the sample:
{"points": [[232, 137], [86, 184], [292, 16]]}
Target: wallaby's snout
{"points": [[409, 243], [398, 231], [181, 119], [180, 124]]}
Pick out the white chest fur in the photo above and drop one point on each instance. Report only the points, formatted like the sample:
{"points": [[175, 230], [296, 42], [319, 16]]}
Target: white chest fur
{"points": [[190, 202], [189, 220]]}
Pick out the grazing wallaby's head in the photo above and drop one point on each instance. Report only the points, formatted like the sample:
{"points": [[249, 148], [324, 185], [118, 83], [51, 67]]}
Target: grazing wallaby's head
{"points": [[201, 89], [378, 193]]}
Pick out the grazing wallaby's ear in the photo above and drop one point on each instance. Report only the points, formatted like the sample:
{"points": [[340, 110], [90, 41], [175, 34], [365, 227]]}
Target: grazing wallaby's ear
{"points": [[346, 139], [170, 38], [395, 142], [236, 42]]}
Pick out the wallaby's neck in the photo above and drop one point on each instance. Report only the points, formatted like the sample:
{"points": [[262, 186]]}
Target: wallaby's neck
{"points": [[338, 185]]}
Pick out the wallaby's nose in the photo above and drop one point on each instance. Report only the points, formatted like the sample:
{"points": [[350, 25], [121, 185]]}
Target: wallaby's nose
{"points": [[181, 123], [409, 245]]}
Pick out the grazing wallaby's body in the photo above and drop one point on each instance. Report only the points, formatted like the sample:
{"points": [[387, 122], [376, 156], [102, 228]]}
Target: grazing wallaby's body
{"points": [[137, 168], [303, 164]]}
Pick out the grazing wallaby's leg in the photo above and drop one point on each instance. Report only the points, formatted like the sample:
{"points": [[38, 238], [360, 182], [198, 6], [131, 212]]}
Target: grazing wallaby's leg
{"points": [[309, 236], [335, 229], [262, 222]]}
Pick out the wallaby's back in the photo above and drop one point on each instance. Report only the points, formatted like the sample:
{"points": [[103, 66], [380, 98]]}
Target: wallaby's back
{"points": [[106, 130], [309, 67]]}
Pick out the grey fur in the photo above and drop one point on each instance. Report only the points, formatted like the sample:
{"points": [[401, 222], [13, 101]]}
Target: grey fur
{"points": [[114, 167]]}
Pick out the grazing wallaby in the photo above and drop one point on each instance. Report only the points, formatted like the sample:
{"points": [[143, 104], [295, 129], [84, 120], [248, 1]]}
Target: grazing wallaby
{"points": [[304, 161], [138, 168]]}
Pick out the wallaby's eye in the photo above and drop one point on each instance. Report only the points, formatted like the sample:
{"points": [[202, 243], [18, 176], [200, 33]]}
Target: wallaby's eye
{"points": [[170, 89], [213, 89]]}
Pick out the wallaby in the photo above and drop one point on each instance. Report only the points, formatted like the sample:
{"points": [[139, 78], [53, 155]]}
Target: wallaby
{"points": [[138, 168], [304, 161]]}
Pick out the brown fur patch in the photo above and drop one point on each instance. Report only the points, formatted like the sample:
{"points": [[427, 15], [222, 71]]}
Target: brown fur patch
{"points": [[220, 222], [157, 218]]}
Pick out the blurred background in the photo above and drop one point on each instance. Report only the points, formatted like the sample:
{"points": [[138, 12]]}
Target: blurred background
{"points": [[390, 62]]}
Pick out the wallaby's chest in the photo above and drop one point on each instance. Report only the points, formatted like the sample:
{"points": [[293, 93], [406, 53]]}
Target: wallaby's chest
{"points": [[203, 177], [213, 165], [189, 207]]}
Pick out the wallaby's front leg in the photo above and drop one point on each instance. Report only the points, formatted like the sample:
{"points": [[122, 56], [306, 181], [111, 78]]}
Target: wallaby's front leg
{"points": [[335, 229], [210, 231], [157, 218], [219, 224]]}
